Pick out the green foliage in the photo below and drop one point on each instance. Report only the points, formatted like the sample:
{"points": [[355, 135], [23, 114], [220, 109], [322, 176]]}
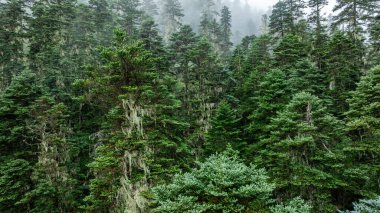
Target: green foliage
{"points": [[296, 205], [363, 127], [220, 184], [305, 136], [366, 206], [12, 16], [224, 130]]}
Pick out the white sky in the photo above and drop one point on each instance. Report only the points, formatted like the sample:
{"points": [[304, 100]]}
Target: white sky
{"points": [[265, 4]]}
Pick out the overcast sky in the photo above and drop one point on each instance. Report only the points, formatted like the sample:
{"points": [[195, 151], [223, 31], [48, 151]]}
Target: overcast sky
{"points": [[265, 4]]}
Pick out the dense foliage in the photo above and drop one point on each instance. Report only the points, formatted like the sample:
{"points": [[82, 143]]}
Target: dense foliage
{"points": [[119, 106]]}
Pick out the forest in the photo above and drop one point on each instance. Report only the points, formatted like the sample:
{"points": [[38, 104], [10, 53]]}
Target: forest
{"points": [[126, 106]]}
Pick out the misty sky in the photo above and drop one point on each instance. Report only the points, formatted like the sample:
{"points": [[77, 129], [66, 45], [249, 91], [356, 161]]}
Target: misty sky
{"points": [[265, 4]]}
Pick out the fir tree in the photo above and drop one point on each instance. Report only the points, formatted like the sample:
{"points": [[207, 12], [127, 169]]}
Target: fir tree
{"points": [[234, 187], [12, 33], [343, 69], [224, 130], [304, 135], [225, 29], [172, 17], [363, 127], [142, 141], [290, 49]]}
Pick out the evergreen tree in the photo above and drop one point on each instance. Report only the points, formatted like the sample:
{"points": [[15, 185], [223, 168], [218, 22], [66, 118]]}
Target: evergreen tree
{"points": [[220, 184], [352, 13], [181, 44], [270, 98], [374, 54], [285, 15], [278, 26], [343, 69], [304, 136], [363, 127], [130, 15], [142, 142], [47, 36], [224, 130], [306, 77], [289, 51], [17, 143], [225, 29], [172, 17], [102, 21], [12, 21], [319, 39]]}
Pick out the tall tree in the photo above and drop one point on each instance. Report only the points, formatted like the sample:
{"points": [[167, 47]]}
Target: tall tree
{"points": [[171, 17], [130, 15], [319, 39], [352, 13], [142, 142], [226, 33], [17, 143], [363, 126], [13, 17], [344, 67]]}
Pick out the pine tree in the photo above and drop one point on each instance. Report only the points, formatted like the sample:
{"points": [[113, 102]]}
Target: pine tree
{"points": [[130, 15], [306, 77], [305, 136], [319, 39], [375, 40], [102, 21], [172, 17], [285, 15], [271, 96], [47, 36], [290, 49], [277, 24], [225, 29], [13, 16], [142, 136], [352, 13], [17, 143], [363, 127], [343, 69], [224, 130]]}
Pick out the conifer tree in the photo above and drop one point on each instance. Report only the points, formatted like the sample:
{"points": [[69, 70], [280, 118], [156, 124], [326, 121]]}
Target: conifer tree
{"points": [[290, 49], [47, 36], [224, 130], [363, 127], [343, 69], [306, 77], [319, 38], [172, 17], [352, 13], [13, 16], [225, 29], [142, 136], [220, 184], [305, 136], [130, 15], [271, 96], [17, 143]]}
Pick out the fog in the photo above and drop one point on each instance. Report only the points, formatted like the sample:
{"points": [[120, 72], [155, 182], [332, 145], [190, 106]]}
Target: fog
{"points": [[246, 14]]}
